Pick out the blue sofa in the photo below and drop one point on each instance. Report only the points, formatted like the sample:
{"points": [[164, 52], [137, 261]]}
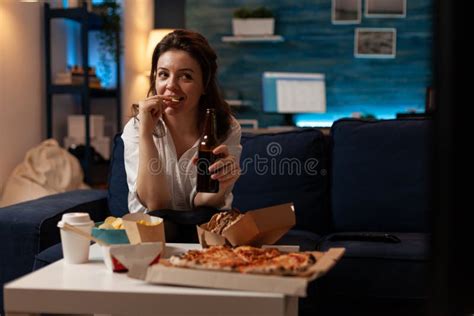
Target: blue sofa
{"points": [[365, 186]]}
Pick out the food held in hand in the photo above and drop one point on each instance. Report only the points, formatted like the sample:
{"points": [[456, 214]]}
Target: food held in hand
{"points": [[176, 99]]}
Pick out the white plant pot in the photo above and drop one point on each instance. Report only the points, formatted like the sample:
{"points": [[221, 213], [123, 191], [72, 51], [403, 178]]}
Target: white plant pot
{"points": [[253, 27]]}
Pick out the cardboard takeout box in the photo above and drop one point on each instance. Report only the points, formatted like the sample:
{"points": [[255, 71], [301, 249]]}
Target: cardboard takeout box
{"points": [[163, 273], [258, 227], [140, 233], [132, 258]]}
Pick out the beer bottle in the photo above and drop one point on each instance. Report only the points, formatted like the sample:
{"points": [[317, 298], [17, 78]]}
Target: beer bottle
{"points": [[205, 156]]}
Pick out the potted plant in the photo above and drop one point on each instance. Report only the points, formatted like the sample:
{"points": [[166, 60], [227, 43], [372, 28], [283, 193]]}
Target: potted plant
{"points": [[110, 11], [253, 22]]}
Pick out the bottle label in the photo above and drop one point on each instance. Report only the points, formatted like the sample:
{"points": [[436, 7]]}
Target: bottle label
{"points": [[204, 181]]}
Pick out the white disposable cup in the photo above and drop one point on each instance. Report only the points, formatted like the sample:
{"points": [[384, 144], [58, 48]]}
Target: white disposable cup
{"points": [[75, 247]]}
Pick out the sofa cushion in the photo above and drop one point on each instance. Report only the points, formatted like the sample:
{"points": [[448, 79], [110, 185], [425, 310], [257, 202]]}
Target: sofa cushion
{"points": [[380, 270], [47, 256], [307, 241], [118, 189], [286, 167], [380, 175]]}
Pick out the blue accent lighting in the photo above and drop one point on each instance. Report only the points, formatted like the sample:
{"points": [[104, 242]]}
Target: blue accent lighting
{"points": [[73, 51]]}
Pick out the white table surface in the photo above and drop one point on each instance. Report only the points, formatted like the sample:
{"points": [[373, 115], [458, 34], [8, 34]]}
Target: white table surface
{"points": [[91, 289]]}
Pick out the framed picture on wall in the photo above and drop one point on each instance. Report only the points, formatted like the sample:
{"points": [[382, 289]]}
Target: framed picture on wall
{"points": [[385, 8], [346, 11], [375, 42]]}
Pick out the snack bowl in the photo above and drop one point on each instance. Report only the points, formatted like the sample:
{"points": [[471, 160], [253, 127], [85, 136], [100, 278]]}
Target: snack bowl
{"points": [[110, 236]]}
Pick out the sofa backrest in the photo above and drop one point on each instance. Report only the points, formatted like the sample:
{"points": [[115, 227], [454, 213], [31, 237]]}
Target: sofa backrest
{"points": [[118, 189], [380, 177], [277, 168], [286, 167]]}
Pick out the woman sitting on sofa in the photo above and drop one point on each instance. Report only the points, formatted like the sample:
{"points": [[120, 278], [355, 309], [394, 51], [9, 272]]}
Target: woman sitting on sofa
{"points": [[161, 140]]}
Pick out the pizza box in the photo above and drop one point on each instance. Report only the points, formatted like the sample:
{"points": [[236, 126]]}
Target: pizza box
{"points": [[163, 273], [140, 233], [133, 259], [259, 227]]}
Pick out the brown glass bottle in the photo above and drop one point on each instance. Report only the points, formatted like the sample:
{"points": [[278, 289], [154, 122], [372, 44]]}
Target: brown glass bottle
{"points": [[205, 156]]}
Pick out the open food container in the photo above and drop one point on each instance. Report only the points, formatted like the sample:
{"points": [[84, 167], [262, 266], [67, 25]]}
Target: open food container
{"points": [[110, 236], [142, 228], [164, 273], [258, 227], [133, 259]]}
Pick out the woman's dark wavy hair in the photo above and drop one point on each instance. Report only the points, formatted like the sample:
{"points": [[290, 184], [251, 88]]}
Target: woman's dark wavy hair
{"points": [[198, 48]]}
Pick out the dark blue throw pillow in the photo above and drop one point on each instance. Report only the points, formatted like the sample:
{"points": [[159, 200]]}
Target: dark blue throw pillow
{"points": [[380, 179], [118, 189], [286, 167]]}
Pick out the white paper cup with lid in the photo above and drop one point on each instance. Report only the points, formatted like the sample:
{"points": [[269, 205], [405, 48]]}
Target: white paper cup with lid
{"points": [[75, 247]]}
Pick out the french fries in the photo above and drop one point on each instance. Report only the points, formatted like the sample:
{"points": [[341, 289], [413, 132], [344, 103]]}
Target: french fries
{"points": [[112, 222], [143, 222]]}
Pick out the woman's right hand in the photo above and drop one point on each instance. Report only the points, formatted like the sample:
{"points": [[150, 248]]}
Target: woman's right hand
{"points": [[150, 111]]}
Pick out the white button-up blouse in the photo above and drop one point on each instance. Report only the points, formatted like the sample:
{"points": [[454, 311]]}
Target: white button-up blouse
{"points": [[180, 174]]}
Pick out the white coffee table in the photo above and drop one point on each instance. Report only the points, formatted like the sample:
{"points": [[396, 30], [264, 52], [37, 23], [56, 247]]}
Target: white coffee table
{"points": [[91, 289]]}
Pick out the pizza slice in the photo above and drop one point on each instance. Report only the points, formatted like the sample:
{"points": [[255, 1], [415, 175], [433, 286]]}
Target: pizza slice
{"points": [[251, 254], [213, 258], [293, 263], [246, 259]]}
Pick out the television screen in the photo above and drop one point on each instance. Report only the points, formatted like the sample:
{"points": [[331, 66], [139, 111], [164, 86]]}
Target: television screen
{"points": [[285, 92]]}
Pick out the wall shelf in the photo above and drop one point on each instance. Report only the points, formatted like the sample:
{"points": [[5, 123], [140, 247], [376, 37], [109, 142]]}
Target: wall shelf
{"points": [[79, 89], [270, 38]]}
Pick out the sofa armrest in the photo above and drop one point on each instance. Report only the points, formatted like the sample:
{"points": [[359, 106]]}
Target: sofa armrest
{"points": [[28, 228]]}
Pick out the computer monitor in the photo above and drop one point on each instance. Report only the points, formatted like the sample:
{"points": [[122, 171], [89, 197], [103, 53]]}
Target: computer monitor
{"points": [[287, 92]]}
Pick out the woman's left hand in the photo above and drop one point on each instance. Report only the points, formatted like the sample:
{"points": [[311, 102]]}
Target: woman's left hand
{"points": [[226, 169]]}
